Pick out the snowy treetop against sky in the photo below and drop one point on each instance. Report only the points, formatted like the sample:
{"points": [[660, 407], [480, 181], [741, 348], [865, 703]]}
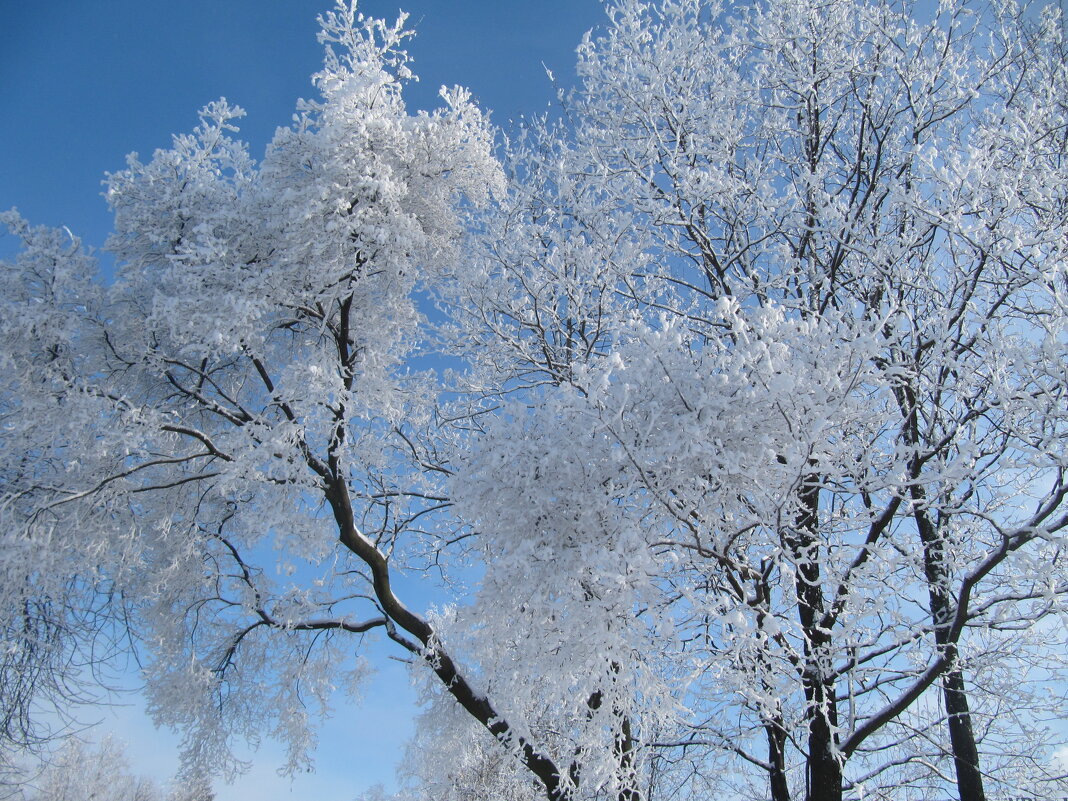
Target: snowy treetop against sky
{"points": [[82, 85]]}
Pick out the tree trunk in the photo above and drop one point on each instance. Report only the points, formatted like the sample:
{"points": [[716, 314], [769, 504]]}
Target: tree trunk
{"points": [[824, 768], [936, 572], [962, 737], [625, 752], [961, 733], [780, 790]]}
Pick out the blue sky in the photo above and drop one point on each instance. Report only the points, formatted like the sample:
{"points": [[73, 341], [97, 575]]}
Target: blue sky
{"points": [[83, 83]]}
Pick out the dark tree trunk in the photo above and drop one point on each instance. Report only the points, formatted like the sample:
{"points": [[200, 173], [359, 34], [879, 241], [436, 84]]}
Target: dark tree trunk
{"points": [[961, 733], [824, 767], [625, 751], [936, 571], [962, 737], [623, 747], [780, 790]]}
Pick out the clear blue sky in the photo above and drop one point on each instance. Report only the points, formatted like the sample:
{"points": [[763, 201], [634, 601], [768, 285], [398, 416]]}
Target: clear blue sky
{"points": [[84, 82]]}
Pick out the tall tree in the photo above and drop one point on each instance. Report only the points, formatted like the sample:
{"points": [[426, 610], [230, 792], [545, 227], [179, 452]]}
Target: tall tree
{"points": [[812, 379], [219, 440]]}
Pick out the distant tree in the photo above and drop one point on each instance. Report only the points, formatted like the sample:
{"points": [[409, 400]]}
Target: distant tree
{"points": [[78, 772]]}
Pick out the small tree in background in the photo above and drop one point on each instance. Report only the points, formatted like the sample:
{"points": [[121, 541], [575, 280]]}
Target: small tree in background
{"points": [[79, 772]]}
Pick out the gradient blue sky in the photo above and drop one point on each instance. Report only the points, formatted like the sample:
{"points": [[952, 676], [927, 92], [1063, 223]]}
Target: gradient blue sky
{"points": [[84, 82]]}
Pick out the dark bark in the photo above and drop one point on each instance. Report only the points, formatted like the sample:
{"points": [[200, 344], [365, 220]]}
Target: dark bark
{"points": [[476, 705], [961, 734], [776, 733], [962, 737], [943, 611], [824, 767], [623, 748], [625, 753]]}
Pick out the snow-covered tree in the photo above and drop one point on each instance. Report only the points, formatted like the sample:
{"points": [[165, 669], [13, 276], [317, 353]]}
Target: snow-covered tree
{"points": [[79, 772], [56, 624], [216, 443], [753, 450], [779, 329]]}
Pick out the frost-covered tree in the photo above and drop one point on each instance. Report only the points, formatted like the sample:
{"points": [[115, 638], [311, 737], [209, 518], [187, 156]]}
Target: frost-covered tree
{"points": [[56, 623], [778, 331], [219, 443], [754, 448], [79, 772]]}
